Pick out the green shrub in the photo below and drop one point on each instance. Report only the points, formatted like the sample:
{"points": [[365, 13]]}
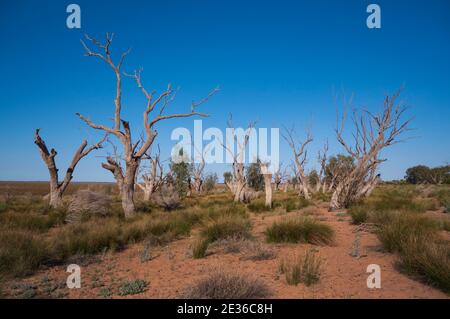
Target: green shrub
{"points": [[31, 221], [396, 200], [226, 226], [210, 182], [304, 269], [230, 210], [359, 214], [443, 196], [258, 206], [325, 197], [291, 204], [86, 238], [421, 250], [105, 292], [21, 252], [402, 228], [429, 260], [300, 230], [133, 287], [447, 207]]}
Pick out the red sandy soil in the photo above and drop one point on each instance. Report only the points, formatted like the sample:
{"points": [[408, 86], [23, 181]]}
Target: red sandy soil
{"points": [[171, 271]]}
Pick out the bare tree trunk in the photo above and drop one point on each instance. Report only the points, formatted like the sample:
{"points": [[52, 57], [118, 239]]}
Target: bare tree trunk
{"points": [[239, 191], [133, 152], [372, 133], [300, 153], [268, 189], [153, 180], [55, 198], [304, 190], [267, 183], [56, 188], [334, 202], [128, 200]]}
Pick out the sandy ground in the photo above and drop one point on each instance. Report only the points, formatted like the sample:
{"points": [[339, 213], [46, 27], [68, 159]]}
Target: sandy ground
{"points": [[172, 270]]}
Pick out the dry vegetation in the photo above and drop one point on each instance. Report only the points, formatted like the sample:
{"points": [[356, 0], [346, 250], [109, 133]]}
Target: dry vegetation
{"points": [[226, 285], [35, 237]]}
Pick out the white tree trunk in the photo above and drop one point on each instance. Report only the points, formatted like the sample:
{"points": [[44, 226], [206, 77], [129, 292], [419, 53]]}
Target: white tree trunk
{"points": [[268, 189]]}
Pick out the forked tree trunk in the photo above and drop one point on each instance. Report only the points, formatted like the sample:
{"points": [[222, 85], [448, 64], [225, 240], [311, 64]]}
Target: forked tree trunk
{"points": [[125, 183], [133, 152], [372, 133], [57, 189]]}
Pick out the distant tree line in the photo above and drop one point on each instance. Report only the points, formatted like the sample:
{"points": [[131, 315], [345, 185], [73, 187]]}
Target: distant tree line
{"points": [[422, 174]]}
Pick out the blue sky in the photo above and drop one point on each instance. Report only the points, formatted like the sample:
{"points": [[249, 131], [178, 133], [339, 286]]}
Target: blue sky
{"points": [[276, 62]]}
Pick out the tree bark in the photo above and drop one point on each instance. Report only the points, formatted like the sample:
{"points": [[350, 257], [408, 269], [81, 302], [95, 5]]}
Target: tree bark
{"points": [[133, 152], [57, 189], [268, 189]]}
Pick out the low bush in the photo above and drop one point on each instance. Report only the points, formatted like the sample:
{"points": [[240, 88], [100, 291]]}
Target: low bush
{"points": [[37, 222], [226, 226], [227, 285], [3, 207], [167, 197], [428, 260], [21, 252], [300, 230], [133, 287], [258, 206], [292, 204], [402, 228], [359, 214], [396, 200], [199, 248], [422, 252], [86, 203]]}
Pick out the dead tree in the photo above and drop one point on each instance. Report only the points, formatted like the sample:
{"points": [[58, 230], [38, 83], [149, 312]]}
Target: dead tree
{"points": [[197, 172], [321, 185], [155, 106], [267, 183], [154, 178], [371, 134], [57, 188], [300, 154], [279, 176], [238, 183]]}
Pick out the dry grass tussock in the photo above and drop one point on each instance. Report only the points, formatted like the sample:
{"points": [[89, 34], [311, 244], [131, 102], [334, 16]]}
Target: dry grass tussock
{"points": [[304, 268], [227, 285]]}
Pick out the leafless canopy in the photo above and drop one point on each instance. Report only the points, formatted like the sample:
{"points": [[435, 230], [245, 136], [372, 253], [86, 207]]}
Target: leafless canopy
{"points": [[371, 133], [154, 112], [300, 156]]}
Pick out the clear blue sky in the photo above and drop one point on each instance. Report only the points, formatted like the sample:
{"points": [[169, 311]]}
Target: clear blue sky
{"points": [[275, 61]]}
